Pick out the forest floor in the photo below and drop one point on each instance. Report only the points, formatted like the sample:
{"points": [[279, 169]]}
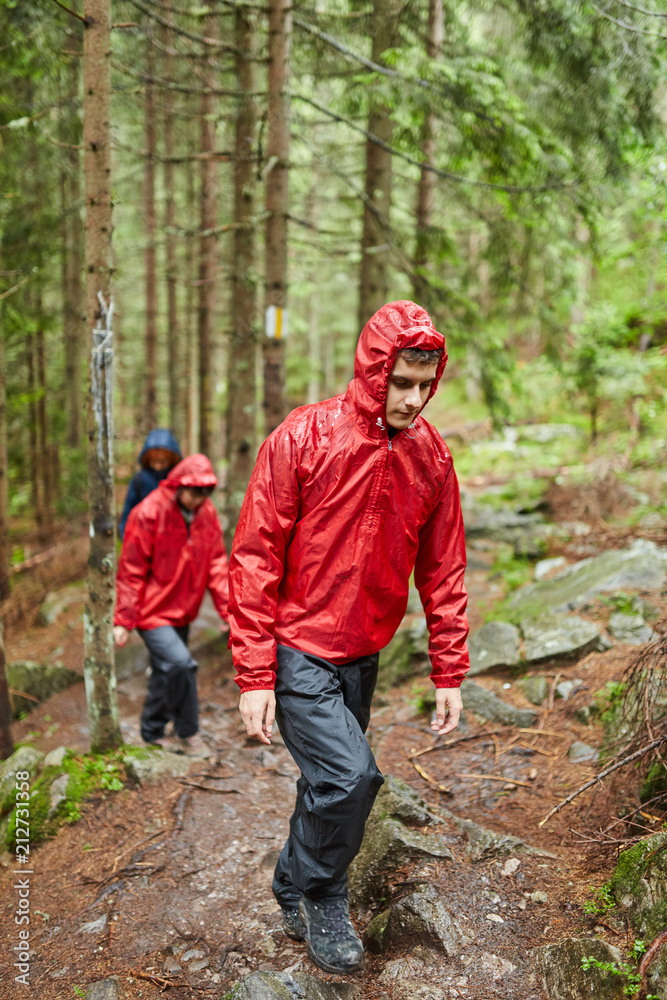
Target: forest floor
{"points": [[169, 887]]}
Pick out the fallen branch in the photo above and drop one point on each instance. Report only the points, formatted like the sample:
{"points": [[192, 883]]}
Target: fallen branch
{"points": [[496, 777], [603, 774], [23, 694], [207, 788], [431, 780], [179, 810]]}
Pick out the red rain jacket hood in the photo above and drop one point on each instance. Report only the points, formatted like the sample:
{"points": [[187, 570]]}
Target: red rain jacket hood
{"points": [[337, 516], [165, 568]]}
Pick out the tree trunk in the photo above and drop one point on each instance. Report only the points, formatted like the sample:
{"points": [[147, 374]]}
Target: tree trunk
{"points": [[175, 359], [277, 206], [150, 416], [428, 182], [44, 454], [4, 505], [35, 479], [73, 305], [6, 742], [314, 339], [208, 242], [99, 670], [376, 234], [191, 383], [241, 409]]}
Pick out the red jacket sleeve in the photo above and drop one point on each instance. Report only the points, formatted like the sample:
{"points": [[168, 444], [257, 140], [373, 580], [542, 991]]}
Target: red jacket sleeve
{"points": [[257, 561], [218, 575], [134, 567], [439, 571]]}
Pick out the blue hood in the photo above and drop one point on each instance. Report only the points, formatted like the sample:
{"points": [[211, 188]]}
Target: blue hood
{"points": [[161, 437]]}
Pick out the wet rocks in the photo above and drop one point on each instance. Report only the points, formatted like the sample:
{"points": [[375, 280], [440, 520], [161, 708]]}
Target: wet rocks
{"points": [[582, 752], [283, 986], [485, 705], [424, 917], [105, 989], [482, 843], [152, 766], [495, 644], [405, 656], [558, 636], [631, 629], [23, 759], [643, 566], [39, 680], [562, 974], [534, 689]]}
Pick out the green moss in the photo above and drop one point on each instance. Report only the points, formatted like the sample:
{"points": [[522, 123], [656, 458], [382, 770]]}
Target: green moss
{"points": [[88, 774], [639, 882]]}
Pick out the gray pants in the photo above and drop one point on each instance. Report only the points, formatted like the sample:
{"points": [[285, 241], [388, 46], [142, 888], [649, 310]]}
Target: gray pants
{"points": [[323, 711], [172, 686]]}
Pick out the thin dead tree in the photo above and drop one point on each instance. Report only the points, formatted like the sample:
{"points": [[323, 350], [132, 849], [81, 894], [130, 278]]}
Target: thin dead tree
{"points": [[6, 741], [241, 408], [99, 667], [277, 208], [150, 375], [428, 182]]}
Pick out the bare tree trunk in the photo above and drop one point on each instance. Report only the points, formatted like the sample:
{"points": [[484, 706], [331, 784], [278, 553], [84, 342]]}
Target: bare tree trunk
{"points": [[44, 459], [175, 360], [191, 384], [376, 234], [6, 741], [150, 417], [208, 244], [241, 409], [428, 182], [4, 505], [73, 304], [277, 206], [35, 479], [314, 339], [99, 669]]}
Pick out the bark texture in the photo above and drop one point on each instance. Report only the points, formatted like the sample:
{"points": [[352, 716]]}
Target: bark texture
{"points": [[428, 181], [6, 742], [150, 374], [208, 243], [99, 671], [277, 206], [376, 234], [4, 500], [241, 407]]}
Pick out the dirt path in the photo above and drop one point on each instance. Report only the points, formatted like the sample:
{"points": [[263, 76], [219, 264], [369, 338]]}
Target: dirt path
{"points": [[170, 886]]}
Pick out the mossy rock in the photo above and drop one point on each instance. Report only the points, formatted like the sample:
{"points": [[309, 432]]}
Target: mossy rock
{"points": [[40, 680], [406, 656], [639, 885], [85, 775], [24, 758]]}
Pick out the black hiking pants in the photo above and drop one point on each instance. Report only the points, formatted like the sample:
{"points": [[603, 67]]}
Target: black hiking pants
{"points": [[172, 685], [323, 711]]}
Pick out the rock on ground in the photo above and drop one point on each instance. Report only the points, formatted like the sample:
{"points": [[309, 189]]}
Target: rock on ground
{"points": [[282, 986], [156, 765], [564, 979], [556, 636], [495, 644], [643, 566], [487, 706], [40, 680], [105, 989], [631, 629], [423, 917], [534, 689], [23, 759]]}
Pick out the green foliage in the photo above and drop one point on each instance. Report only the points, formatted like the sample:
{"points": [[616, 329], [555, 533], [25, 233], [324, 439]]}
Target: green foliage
{"points": [[602, 901], [632, 980], [513, 570]]}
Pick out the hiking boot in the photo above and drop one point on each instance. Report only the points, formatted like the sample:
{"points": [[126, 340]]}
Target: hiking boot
{"points": [[194, 746], [293, 925], [166, 743], [333, 944]]}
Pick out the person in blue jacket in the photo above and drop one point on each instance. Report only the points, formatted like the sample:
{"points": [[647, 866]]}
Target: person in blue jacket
{"points": [[159, 455]]}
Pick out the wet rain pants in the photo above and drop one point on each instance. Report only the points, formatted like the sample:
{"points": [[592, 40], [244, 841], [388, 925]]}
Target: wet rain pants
{"points": [[172, 686], [323, 711]]}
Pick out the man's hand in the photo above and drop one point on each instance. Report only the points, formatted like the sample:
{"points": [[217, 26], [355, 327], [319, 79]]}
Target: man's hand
{"points": [[446, 698], [120, 635], [258, 709]]}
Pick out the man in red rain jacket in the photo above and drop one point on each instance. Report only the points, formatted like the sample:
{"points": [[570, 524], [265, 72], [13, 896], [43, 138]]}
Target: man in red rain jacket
{"points": [[347, 498], [172, 552]]}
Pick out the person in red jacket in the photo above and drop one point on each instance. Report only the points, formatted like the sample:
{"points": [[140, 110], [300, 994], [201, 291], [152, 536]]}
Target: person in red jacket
{"points": [[172, 552], [348, 497]]}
